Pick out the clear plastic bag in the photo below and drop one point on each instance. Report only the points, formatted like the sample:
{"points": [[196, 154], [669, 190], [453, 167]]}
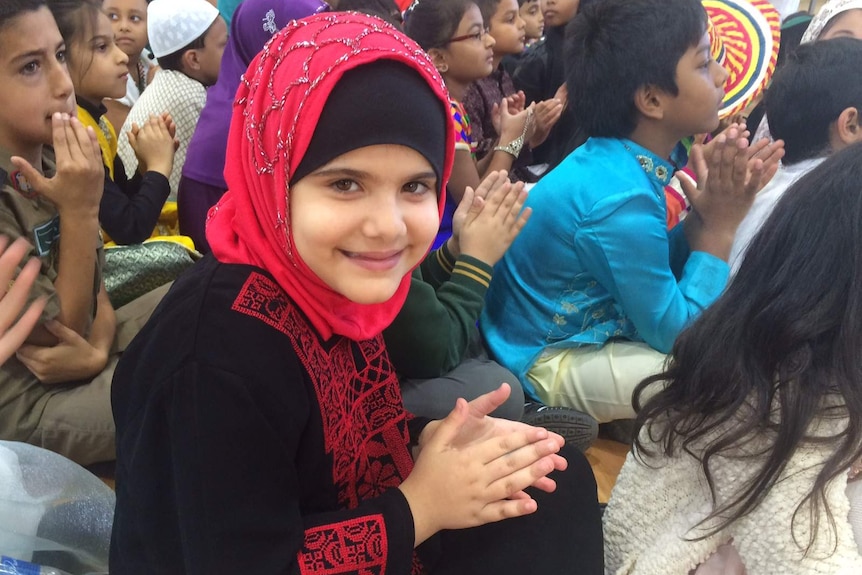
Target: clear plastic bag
{"points": [[55, 516]]}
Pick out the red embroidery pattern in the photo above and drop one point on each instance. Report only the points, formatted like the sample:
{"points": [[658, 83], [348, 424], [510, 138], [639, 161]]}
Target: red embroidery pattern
{"points": [[355, 546], [364, 424]]}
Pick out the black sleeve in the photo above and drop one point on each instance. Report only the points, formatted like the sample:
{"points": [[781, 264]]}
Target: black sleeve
{"points": [[531, 74], [222, 493], [130, 209]]}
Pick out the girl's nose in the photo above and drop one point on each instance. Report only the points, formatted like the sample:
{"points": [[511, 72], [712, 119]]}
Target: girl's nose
{"points": [[385, 220]]}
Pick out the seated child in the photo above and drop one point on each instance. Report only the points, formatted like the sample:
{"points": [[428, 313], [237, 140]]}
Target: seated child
{"points": [[455, 36], [260, 424], [590, 297], [483, 97], [130, 207], [747, 446], [55, 391], [534, 21], [540, 75], [129, 22], [534, 30], [202, 182], [433, 341], [836, 19], [17, 319], [188, 37], [814, 106]]}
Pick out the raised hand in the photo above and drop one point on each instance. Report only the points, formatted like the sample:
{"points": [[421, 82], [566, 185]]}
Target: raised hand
{"points": [[80, 179], [154, 144], [13, 331], [494, 219], [545, 116], [730, 173]]}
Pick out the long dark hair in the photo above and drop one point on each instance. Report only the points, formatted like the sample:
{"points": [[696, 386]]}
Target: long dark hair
{"points": [[780, 351], [431, 23]]}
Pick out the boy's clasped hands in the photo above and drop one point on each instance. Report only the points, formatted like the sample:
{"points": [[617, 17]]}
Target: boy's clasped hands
{"points": [[730, 172]]}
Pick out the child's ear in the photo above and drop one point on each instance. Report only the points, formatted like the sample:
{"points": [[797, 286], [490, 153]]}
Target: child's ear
{"points": [[438, 56], [190, 61], [846, 129], [650, 101]]}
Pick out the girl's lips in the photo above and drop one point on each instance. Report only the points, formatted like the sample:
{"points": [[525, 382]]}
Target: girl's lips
{"points": [[375, 261]]}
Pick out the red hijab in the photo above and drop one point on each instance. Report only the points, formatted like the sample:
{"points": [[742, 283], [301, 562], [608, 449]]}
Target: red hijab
{"points": [[276, 111]]}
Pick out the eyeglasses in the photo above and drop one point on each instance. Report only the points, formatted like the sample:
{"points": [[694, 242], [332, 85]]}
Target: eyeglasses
{"points": [[477, 36]]}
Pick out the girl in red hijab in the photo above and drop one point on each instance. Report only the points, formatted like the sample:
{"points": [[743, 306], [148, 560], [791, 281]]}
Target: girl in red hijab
{"points": [[260, 424]]}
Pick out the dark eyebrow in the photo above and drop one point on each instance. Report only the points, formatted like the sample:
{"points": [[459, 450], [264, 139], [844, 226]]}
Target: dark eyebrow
{"points": [[101, 38], [337, 171], [36, 53]]}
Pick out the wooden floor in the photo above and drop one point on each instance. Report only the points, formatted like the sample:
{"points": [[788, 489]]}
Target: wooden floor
{"points": [[607, 458]]}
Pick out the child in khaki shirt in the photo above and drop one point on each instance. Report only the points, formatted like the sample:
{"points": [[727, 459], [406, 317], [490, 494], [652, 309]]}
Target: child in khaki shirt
{"points": [[56, 391]]}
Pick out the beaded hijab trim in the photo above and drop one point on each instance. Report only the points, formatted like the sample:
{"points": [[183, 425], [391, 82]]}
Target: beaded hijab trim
{"points": [[281, 48]]}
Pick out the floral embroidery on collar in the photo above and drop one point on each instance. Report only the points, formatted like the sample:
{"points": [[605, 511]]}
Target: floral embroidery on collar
{"points": [[655, 167]]}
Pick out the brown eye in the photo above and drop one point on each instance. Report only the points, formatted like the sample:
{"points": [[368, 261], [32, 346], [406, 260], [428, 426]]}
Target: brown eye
{"points": [[344, 185], [416, 188]]}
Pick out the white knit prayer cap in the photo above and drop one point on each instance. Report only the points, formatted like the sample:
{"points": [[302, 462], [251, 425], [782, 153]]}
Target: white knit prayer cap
{"points": [[174, 24]]}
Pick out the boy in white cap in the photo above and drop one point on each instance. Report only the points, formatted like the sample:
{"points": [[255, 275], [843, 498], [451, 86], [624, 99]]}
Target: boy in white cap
{"points": [[188, 37]]}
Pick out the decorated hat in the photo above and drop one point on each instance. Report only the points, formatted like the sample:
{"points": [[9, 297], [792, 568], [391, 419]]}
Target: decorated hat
{"points": [[174, 24], [829, 11], [744, 38]]}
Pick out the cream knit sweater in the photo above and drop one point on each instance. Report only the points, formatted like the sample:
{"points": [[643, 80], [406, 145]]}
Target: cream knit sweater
{"points": [[653, 509]]}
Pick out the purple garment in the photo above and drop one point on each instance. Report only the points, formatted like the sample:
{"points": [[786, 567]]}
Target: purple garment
{"points": [[253, 24], [192, 207]]}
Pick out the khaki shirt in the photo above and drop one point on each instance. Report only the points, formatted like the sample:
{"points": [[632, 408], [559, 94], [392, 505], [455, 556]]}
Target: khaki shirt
{"points": [[25, 213]]}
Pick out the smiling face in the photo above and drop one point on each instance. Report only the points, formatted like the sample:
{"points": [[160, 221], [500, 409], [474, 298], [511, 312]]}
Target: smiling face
{"points": [[700, 81], [129, 23], [35, 80], [98, 67], [508, 28], [362, 221]]}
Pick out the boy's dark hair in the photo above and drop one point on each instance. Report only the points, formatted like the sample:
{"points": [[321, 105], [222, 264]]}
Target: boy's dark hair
{"points": [[488, 8], [431, 23], [775, 354], [613, 47], [174, 60], [384, 9], [814, 86], [11, 9]]}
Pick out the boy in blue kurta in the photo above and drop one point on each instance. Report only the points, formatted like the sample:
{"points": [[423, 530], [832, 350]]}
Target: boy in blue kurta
{"points": [[591, 296]]}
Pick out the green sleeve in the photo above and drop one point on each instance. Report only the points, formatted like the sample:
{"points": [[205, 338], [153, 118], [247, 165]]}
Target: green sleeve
{"points": [[431, 334]]}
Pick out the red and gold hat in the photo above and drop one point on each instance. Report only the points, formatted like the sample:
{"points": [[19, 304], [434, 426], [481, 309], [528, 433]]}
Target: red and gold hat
{"points": [[744, 37]]}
